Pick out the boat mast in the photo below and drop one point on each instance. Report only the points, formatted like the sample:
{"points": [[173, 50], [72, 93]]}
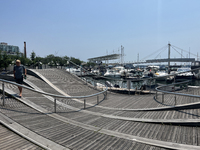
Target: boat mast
{"points": [[169, 58]]}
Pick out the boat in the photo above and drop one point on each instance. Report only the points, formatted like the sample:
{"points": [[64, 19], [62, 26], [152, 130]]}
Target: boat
{"points": [[185, 75], [76, 71], [147, 74], [150, 71], [95, 71], [161, 75], [100, 85], [196, 72], [115, 72]]}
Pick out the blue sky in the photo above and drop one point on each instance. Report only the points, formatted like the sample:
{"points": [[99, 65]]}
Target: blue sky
{"points": [[89, 28]]}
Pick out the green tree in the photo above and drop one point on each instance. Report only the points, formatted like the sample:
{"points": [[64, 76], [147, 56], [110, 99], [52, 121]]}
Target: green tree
{"points": [[62, 61], [38, 61], [90, 64], [33, 56], [75, 60], [50, 60], [45, 61], [25, 61], [6, 60]]}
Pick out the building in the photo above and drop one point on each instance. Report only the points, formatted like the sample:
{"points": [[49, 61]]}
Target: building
{"points": [[10, 49]]}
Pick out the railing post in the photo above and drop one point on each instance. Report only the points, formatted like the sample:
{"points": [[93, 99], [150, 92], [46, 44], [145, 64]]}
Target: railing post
{"points": [[156, 94], [135, 90], [95, 86], [97, 99], [174, 78], [84, 103], [187, 87], [140, 90], [128, 86], [55, 105], [106, 95], [81, 71], [162, 97], [150, 87], [3, 93], [175, 100]]}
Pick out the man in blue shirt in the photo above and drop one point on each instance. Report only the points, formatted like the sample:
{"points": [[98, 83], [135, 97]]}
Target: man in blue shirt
{"points": [[18, 72]]}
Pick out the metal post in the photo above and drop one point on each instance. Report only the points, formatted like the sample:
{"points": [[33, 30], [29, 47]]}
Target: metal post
{"points": [[187, 87], [106, 95], [128, 86], [150, 86], [3, 93], [174, 82], [135, 90], [169, 58], [97, 99], [162, 97], [81, 71], [175, 100], [84, 103], [156, 94], [69, 70], [95, 85], [55, 105]]}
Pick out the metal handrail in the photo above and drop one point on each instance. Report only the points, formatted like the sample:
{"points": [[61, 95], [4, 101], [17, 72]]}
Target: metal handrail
{"points": [[174, 93], [49, 94]]}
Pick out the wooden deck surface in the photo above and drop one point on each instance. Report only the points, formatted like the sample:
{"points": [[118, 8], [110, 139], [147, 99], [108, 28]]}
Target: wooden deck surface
{"points": [[76, 137]]}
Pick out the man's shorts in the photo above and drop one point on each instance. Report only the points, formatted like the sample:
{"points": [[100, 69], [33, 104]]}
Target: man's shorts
{"points": [[19, 81]]}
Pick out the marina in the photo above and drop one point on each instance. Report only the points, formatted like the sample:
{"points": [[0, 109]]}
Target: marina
{"points": [[100, 75]]}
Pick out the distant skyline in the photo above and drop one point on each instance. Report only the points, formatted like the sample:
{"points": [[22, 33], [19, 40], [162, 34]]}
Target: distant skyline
{"points": [[88, 28]]}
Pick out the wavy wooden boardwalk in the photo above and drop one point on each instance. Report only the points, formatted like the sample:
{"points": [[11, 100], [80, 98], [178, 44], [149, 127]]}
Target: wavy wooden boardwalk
{"points": [[119, 122], [10, 141]]}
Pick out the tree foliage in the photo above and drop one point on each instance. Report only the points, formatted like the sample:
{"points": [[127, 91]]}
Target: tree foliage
{"points": [[6, 60], [33, 55], [75, 60], [33, 61]]}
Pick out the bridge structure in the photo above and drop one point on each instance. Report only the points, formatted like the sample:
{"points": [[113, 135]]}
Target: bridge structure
{"points": [[169, 59], [166, 60], [104, 58], [146, 60]]}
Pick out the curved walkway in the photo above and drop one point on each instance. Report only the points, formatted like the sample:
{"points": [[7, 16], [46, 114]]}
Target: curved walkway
{"points": [[33, 122], [126, 127], [11, 140], [144, 131], [69, 133]]}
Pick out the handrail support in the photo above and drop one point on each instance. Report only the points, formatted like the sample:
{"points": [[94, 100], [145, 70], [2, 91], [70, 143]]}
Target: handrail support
{"points": [[162, 97], [97, 99], [84, 103], [3, 88], [55, 105]]}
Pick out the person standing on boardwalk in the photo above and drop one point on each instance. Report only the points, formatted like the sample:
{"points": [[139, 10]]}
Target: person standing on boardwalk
{"points": [[18, 71]]}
